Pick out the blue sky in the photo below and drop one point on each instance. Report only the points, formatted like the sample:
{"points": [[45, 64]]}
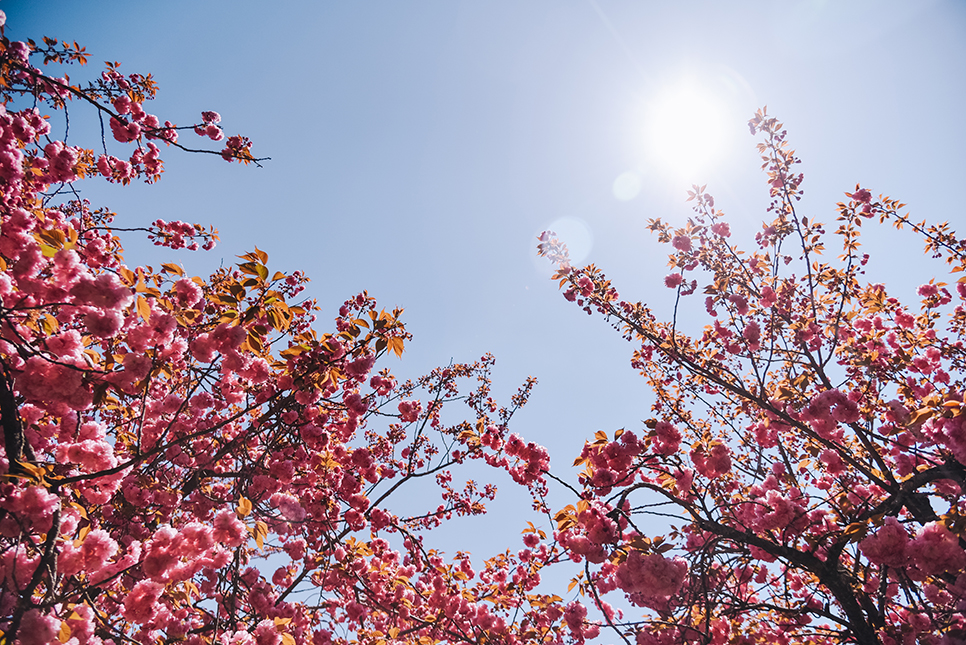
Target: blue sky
{"points": [[418, 148]]}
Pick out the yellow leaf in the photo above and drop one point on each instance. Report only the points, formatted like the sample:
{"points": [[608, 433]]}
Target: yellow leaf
{"points": [[80, 536], [254, 341], [288, 639], [919, 416], [244, 507], [143, 308], [127, 276], [261, 532], [34, 472], [168, 267], [566, 523], [254, 268], [64, 634], [80, 509], [49, 324]]}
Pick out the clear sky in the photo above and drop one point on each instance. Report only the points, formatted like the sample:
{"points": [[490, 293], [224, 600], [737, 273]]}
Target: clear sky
{"points": [[418, 148]]}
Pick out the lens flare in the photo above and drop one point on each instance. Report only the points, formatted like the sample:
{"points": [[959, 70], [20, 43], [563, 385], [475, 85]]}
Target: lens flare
{"points": [[627, 186]]}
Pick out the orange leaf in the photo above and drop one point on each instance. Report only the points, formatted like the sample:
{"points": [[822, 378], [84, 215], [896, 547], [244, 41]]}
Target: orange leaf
{"points": [[244, 507], [143, 308], [169, 267], [261, 532]]}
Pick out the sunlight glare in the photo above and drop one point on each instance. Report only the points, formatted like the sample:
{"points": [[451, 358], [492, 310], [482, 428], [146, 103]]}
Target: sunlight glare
{"points": [[685, 130]]}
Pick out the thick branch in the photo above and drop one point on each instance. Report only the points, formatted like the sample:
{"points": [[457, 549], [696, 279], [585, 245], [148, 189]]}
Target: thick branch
{"points": [[13, 439]]}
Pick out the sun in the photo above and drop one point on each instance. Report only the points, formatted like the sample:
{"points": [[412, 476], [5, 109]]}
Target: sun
{"points": [[685, 130]]}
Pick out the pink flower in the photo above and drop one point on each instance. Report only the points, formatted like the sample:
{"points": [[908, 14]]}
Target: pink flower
{"points": [[722, 229], [409, 411], [574, 615], [667, 438], [356, 611], [905, 320], [288, 506], [887, 545], [360, 367], [124, 131], [105, 292], [214, 132], [681, 243], [38, 505], [104, 165], [862, 195], [229, 530], [141, 605], [936, 550], [768, 297], [740, 303], [241, 637], [673, 281], [356, 404], [752, 333], [104, 324], [97, 549], [649, 578], [295, 549], [122, 104], [267, 634], [161, 553], [188, 292], [833, 462], [683, 480], [714, 462], [37, 628]]}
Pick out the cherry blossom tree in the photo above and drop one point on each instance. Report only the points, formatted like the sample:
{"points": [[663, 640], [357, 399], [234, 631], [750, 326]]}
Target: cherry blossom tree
{"points": [[188, 459], [807, 448]]}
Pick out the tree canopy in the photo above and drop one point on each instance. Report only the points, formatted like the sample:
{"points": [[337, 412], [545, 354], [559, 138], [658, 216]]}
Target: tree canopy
{"points": [[190, 459]]}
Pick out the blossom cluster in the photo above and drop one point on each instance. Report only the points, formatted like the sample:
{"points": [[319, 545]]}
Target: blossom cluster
{"points": [[185, 457], [811, 432]]}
